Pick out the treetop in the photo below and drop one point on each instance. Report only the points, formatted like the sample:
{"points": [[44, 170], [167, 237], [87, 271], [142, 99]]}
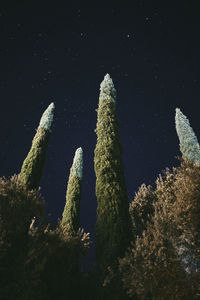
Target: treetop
{"points": [[107, 89], [47, 117], [77, 166]]}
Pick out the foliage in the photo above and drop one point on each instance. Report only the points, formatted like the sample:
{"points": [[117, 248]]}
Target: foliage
{"points": [[58, 261], [77, 166], [188, 141], [141, 208], [40, 262], [71, 213], [47, 117], [113, 226], [31, 171], [154, 268], [18, 206], [35, 262], [107, 89]]}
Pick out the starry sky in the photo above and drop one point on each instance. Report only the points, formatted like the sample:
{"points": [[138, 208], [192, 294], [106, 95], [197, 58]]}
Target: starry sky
{"points": [[56, 52]]}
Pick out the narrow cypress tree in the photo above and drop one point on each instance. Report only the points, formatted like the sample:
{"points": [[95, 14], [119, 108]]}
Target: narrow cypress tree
{"points": [[113, 226], [189, 146], [71, 213], [31, 171]]}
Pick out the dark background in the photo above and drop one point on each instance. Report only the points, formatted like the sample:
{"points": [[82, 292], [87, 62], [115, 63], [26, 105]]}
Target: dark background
{"points": [[54, 51]]}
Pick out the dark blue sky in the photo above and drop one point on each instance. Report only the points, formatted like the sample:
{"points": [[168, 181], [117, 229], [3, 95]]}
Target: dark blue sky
{"points": [[60, 53]]}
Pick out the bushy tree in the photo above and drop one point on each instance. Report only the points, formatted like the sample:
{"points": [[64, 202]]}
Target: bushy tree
{"points": [[141, 208], [36, 262], [164, 262], [71, 213], [55, 254], [113, 226], [18, 206], [187, 208], [32, 166]]}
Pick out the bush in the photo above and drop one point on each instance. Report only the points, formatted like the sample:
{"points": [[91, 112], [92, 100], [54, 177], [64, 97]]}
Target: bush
{"points": [[158, 266], [35, 262], [141, 208]]}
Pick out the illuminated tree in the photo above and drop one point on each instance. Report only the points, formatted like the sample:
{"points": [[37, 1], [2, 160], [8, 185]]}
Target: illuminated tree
{"points": [[113, 226], [31, 171], [141, 209], [164, 263], [188, 142], [71, 213]]}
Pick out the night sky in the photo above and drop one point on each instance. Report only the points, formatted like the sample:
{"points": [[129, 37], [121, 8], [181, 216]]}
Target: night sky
{"points": [[60, 53]]}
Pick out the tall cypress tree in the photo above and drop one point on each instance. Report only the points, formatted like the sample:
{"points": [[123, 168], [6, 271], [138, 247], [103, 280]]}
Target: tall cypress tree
{"points": [[31, 171], [113, 226], [71, 213], [188, 141]]}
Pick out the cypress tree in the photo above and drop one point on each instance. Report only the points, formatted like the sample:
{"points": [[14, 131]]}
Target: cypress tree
{"points": [[31, 171], [189, 146], [71, 213], [113, 226]]}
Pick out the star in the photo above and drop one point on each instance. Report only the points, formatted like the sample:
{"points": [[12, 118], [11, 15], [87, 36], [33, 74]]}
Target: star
{"points": [[83, 34]]}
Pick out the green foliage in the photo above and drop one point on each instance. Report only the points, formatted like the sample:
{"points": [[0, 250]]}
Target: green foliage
{"points": [[162, 261], [17, 208], [56, 254], [71, 213], [156, 267], [37, 263], [31, 171], [113, 226]]}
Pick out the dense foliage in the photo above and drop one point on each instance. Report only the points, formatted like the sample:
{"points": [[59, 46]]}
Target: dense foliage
{"points": [[149, 249], [31, 171], [141, 208], [71, 213], [113, 226], [164, 261], [189, 145], [36, 262]]}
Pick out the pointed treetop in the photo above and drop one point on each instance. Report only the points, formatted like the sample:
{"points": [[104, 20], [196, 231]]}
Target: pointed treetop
{"points": [[107, 89], [180, 117], [188, 141], [77, 166], [47, 117]]}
